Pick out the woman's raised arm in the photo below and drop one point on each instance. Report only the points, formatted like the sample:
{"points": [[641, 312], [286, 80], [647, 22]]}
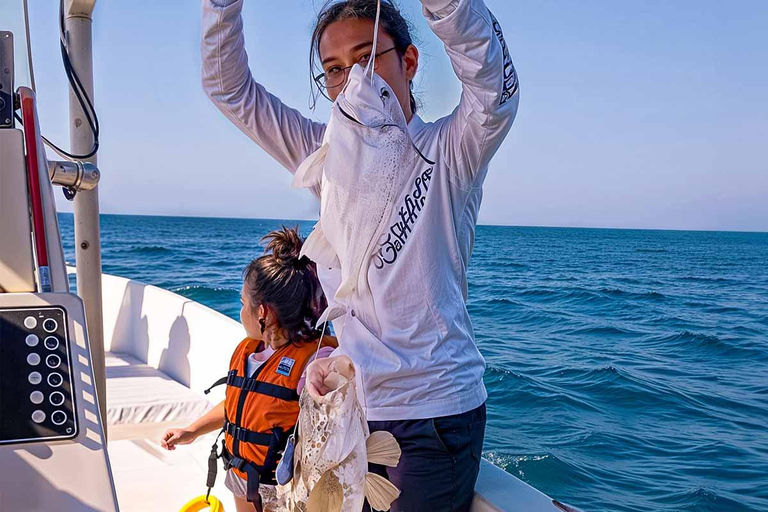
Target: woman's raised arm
{"points": [[478, 51], [281, 131]]}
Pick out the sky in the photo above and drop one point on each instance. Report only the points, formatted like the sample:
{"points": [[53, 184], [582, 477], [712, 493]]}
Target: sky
{"points": [[632, 114]]}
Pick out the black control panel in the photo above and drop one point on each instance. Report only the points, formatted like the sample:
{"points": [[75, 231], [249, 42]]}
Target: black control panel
{"points": [[6, 79], [36, 393]]}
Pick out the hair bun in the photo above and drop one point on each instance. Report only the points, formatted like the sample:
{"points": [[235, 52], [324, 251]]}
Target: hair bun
{"points": [[285, 246]]}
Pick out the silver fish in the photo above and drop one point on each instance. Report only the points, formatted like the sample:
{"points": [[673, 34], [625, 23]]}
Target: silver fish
{"points": [[362, 168], [333, 450]]}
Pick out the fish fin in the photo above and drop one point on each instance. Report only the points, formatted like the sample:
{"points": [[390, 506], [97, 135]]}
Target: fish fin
{"points": [[310, 170], [379, 492], [326, 495], [317, 248], [382, 448]]}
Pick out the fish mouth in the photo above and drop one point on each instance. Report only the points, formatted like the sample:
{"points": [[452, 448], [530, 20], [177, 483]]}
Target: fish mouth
{"points": [[348, 115], [357, 121]]}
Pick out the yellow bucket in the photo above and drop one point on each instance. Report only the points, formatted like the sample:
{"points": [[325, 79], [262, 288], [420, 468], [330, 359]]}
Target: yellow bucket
{"points": [[198, 504]]}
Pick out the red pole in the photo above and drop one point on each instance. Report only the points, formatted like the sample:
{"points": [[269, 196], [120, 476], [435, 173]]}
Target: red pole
{"points": [[29, 119]]}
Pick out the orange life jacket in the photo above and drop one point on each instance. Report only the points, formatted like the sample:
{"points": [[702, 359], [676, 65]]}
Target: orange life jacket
{"points": [[261, 410]]}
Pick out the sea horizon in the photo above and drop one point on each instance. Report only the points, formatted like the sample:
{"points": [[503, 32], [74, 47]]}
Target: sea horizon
{"points": [[639, 229]]}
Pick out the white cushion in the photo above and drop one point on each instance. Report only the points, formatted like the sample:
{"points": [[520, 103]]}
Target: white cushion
{"points": [[138, 393]]}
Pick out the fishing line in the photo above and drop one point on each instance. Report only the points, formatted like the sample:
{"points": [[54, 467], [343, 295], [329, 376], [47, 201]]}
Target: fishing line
{"points": [[322, 335], [372, 61]]}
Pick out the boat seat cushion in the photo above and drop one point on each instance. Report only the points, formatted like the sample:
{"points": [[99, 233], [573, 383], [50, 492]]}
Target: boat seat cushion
{"points": [[139, 393]]}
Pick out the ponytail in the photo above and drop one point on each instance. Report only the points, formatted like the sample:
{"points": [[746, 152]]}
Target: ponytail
{"points": [[287, 283]]}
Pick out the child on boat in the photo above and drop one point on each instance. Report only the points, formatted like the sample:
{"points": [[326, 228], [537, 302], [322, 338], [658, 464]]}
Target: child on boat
{"points": [[282, 300]]}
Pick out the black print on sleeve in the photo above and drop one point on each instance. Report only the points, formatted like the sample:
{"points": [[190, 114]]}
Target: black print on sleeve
{"points": [[510, 75], [394, 239]]}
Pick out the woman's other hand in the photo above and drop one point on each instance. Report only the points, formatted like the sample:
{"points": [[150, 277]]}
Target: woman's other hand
{"points": [[174, 436], [322, 374]]}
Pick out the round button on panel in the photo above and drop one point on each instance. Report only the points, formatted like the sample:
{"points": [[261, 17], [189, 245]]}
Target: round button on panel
{"points": [[55, 380], [58, 417], [51, 343], [32, 340], [36, 397], [56, 398], [53, 361], [35, 378], [50, 325], [38, 416], [30, 322], [33, 359]]}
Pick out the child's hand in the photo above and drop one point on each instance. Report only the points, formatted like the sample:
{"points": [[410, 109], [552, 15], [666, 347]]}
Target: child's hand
{"points": [[174, 436]]}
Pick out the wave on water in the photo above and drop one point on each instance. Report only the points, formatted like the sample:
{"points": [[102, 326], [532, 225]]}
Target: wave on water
{"points": [[650, 251], [205, 291], [618, 292], [703, 498], [186, 261], [603, 330], [511, 463], [150, 250], [224, 300], [578, 296], [510, 264], [706, 279], [700, 345], [503, 300]]}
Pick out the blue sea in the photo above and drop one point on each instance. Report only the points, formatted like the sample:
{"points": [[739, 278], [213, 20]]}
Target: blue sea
{"points": [[627, 369]]}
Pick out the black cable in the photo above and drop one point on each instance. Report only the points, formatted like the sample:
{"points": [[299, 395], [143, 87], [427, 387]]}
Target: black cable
{"points": [[80, 94], [72, 75], [76, 84], [79, 91], [57, 149]]}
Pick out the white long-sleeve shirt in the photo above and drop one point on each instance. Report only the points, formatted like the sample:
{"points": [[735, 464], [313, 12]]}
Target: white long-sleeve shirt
{"points": [[425, 363]]}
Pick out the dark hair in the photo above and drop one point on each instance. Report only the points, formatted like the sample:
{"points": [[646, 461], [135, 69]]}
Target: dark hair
{"points": [[287, 284], [391, 21]]}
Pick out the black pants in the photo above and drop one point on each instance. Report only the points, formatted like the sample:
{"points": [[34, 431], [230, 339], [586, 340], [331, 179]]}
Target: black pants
{"points": [[440, 461]]}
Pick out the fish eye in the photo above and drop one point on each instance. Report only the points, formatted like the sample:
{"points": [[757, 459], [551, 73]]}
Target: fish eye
{"points": [[384, 93]]}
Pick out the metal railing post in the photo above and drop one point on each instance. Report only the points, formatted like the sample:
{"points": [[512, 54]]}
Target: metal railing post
{"points": [[78, 30]]}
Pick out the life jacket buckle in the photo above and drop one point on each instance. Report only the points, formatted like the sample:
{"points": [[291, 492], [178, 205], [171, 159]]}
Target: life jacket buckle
{"points": [[250, 384], [238, 463], [236, 432], [235, 462]]}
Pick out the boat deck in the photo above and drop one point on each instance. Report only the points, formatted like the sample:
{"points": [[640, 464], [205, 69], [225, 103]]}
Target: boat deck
{"points": [[142, 403], [148, 477]]}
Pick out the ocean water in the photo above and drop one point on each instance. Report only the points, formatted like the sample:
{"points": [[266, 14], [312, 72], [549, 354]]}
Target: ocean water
{"points": [[627, 370]]}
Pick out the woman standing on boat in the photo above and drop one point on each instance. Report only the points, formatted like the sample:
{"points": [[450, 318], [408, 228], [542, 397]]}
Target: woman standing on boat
{"points": [[422, 375]]}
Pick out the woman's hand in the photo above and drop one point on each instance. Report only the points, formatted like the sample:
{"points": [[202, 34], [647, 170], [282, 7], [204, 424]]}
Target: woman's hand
{"points": [[323, 374], [174, 436]]}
